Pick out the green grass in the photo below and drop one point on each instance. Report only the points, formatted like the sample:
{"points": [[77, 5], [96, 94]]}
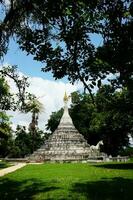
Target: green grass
{"points": [[4, 164], [110, 181]]}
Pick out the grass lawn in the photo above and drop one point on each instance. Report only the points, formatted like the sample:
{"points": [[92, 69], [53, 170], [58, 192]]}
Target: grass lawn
{"points": [[4, 164], [108, 181]]}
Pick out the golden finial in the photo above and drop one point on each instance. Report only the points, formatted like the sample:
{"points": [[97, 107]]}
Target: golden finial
{"points": [[65, 97]]}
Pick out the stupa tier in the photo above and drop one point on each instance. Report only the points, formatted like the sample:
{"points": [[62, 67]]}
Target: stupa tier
{"points": [[65, 144]]}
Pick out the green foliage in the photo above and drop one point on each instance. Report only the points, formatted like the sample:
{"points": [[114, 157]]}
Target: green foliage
{"points": [[118, 46], [6, 145], [34, 106], [5, 124], [54, 120], [22, 141], [81, 112], [113, 128], [113, 119], [127, 152], [62, 39], [8, 100], [4, 88], [5, 127], [20, 144], [25, 140]]}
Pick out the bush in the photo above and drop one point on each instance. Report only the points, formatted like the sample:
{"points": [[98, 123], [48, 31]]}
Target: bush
{"points": [[127, 152]]}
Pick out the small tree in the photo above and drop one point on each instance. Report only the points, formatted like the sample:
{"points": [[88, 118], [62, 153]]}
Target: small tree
{"points": [[35, 107], [24, 141]]}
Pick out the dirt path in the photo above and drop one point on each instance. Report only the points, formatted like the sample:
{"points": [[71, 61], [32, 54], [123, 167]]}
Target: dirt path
{"points": [[11, 169]]}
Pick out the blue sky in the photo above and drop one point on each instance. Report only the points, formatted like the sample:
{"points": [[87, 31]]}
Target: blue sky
{"points": [[25, 63]]}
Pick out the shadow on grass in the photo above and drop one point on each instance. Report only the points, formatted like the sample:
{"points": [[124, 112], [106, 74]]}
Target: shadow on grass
{"points": [[23, 190], [116, 166], [3, 165], [106, 189]]}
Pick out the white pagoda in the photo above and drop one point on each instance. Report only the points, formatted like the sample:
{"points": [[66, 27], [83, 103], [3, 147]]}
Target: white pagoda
{"points": [[66, 144]]}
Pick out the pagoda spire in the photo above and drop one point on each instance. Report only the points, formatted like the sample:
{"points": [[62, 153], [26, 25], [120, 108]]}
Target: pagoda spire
{"points": [[66, 119], [66, 98]]}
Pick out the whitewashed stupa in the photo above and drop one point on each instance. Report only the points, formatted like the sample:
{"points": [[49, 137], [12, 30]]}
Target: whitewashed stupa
{"points": [[66, 144]]}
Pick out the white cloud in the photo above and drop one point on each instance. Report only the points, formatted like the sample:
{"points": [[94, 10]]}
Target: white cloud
{"points": [[49, 93], [7, 2], [131, 140]]}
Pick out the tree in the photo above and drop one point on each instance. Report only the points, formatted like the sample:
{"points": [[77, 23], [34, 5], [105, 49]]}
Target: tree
{"points": [[62, 39], [38, 139], [5, 125], [24, 141], [54, 120], [6, 98], [19, 100], [6, 141], [113, 120], [35, 107], [81, 112], [118, 41], [5, 101]]}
